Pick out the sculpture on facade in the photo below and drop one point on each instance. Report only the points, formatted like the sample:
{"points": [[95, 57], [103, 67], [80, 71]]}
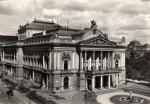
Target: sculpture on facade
{"points": [[93, 26], [66, 57]]}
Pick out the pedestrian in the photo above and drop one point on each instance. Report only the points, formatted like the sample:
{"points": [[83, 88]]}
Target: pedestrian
{"points": [[10, 92]]}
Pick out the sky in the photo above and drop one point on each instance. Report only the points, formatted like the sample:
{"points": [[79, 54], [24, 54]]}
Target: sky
{"points": [[118, 18]]}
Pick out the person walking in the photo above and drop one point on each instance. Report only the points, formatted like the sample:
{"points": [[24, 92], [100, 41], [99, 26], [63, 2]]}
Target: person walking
{"points": [[10, 92]]}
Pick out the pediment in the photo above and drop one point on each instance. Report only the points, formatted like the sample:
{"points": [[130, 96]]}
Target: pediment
{"points": [[91, 34], [99, 41]]}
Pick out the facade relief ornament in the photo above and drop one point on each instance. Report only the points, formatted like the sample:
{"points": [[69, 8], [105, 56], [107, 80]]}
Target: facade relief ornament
{"points": [[66, 57], [117, 56]]}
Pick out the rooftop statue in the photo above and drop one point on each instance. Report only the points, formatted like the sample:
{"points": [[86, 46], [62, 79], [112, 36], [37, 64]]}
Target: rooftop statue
{"points": [[93, 26]]}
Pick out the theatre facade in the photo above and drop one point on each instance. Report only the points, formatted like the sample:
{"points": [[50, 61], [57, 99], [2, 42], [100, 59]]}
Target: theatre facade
{"points": [[59, 58]]}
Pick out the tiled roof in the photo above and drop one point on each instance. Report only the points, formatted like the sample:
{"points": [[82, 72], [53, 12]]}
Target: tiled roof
{"points": [[4, 38], [38, 25]]}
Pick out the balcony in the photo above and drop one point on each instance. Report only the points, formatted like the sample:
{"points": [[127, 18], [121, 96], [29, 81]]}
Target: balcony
{"points": [[62, 71], [102, 71], [36, 68]]}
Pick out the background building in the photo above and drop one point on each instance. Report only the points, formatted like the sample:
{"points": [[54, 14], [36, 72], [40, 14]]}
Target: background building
{"points": [[59, 58], [136, 48]]}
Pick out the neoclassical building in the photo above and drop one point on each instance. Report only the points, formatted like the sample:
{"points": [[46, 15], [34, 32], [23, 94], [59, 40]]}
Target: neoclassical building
{"points": [[59, 58]]}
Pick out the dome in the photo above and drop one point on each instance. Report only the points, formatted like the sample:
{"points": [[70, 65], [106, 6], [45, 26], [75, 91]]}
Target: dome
{"points": [[135, 43]]}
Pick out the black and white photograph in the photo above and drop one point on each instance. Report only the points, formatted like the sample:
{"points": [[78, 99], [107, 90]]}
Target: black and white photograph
{"points": [[74, 51]]}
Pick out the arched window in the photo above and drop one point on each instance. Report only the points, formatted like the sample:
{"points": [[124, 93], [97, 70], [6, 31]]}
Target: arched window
{"points": [[66, 83], [116, 64], [65, 65]]}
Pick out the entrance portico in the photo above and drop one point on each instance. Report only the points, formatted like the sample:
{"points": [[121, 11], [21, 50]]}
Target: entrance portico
{"points": [[100, 82]]}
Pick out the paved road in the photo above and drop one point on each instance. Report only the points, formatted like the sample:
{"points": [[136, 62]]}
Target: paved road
{"points": [[79, 98], [4, 99]]}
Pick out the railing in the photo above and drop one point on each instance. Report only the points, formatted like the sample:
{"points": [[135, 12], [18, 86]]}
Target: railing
{"points": [[102, 71], [35, 68], [62, 71], [67, 71], [105, 71]]}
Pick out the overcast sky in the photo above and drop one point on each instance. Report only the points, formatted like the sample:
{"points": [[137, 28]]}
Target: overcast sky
{"points": [[128, 18]]}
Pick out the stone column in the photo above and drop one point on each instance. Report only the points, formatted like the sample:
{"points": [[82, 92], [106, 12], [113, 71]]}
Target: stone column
{"points": [[89, 63], [47, 80], [85, 59], [109, 59], [31, 64], [97, 63], [2, 55], [116, 79], [108, 81], [104, 63], [33, 59], [73, 60], [50, 60], [19, 67], [14, 58], [124, 59], [112, 60], [101, 82], [36, 62], [11, 70], [32, 75], [58, 59], [44, 62], [93, 83], [93, 60], [84, 62], [101, 60], [81, 60], [55, 60]]}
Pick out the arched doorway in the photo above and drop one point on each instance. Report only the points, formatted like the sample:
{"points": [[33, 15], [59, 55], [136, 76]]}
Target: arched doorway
{"points": [[65, 65], [66, 83]]}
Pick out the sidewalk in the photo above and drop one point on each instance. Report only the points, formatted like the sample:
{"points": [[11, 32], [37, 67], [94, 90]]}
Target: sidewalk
{"points": [[19, 96]]}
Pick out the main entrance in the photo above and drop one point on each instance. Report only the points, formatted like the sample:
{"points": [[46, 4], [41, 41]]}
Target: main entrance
{"points": [[66, 83]]}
